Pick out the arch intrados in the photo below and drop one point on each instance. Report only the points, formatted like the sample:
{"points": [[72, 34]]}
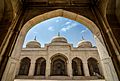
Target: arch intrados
{"points": [[92, 58], [77, 58], [40, 58], [54, 57], [25, 58], [62, 13]]}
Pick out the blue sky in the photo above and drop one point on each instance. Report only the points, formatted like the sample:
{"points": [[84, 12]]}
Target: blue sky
{"points": [[71, 30]]}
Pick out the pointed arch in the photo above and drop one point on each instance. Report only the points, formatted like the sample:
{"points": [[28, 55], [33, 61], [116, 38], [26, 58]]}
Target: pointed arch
{"points": [[77, 67], [93, 66], [24, 66], [58, 65], [40, 66], [62, 13], [100, 43]]}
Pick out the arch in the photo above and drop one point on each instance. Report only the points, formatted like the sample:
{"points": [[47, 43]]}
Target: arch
{"points": [[77, 67], [104, 56], [62, 13], [24, 66], [59, 54], [58, 65], [40, 66], [55, 13], [93, 57], [93, 66]]}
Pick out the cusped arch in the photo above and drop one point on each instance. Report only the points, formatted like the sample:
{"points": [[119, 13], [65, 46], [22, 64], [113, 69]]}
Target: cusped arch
{"points": [[26, 57], [93, 66], [95, 58], [58, 65], [76, 57], [59, 55], [24, 66], [40, 58], [40, 66], [77, 67], [92, 58]]}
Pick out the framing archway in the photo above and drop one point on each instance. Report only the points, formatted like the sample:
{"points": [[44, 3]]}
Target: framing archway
{"points": [[106, 61]]}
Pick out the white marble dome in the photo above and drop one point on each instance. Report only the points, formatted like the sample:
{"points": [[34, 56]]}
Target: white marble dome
{"points": [[59, 39], [85, 44], [33, 44]]}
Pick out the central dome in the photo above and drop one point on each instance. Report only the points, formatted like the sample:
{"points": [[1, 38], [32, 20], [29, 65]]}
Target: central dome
{"points": [[59, 39]]}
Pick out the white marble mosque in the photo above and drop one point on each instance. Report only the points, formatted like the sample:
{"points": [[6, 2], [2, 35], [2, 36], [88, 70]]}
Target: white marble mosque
{"points": [[59, 60]]}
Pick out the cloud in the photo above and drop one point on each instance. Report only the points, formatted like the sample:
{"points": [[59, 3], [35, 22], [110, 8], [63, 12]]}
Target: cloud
{"points": [[83, 31], [67, 23], [50, 28], [57, 20], [69, 27]]}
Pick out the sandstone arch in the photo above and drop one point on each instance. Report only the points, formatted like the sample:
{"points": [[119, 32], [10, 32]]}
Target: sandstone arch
{"points": [[104, 56]]}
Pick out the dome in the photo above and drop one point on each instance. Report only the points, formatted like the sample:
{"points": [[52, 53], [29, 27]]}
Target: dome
{"points": [[84, 44], [33, 44], [59, 39]]}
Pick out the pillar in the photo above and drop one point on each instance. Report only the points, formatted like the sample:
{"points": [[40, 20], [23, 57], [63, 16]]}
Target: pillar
{"points": [[107, 64], [79, 69], [32, 68], [48, 65], [69, 67], [18, 67], [86, 69], [100, 68], [10, 70]]}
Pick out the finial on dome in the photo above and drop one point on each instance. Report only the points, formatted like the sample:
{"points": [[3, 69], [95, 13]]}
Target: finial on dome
{"points": [[58, 33], [35, 38], [82, 38]]}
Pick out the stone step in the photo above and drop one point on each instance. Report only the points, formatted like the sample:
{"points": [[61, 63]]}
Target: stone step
{"points": [[57, 78], [54, 80]]}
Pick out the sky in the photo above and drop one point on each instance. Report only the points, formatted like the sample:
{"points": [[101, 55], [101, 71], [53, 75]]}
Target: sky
{"points": [[73, 31]]}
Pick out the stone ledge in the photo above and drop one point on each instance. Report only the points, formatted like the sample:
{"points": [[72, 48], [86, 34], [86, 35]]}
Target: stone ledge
{"points": [[21, 77], [54, 80]]}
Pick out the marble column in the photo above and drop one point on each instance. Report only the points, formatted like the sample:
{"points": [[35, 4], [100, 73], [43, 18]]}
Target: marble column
{"points": [[10, 70], [69, 67], [17, 67], [48, 65], [100, 68], [86, 69], [107, 64], [79, 69], [32, 68]]}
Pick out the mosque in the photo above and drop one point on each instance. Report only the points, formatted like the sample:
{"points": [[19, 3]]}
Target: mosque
{"points": [[59, 60]]}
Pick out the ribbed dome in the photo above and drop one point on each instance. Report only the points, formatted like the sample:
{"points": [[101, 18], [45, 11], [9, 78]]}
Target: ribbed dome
{"points": [[59, 39], [84, 44], [33, 44]]}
